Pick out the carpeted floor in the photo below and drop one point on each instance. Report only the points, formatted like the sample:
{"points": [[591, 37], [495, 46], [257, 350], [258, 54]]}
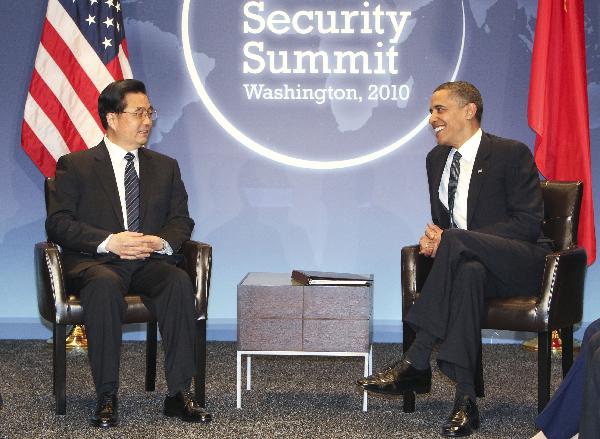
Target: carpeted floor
{"points": [[297, 397]]}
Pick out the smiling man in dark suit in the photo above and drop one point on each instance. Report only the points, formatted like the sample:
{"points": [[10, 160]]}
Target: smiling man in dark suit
{"points": [[487, 210], [118, 233]]}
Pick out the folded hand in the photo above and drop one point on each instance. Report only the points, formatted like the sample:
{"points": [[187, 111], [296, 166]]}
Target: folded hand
{"points": [[133, 245]]}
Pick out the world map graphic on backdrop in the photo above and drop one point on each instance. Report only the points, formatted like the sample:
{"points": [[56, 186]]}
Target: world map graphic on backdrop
{"points": [[334, 128], [323, 84]]}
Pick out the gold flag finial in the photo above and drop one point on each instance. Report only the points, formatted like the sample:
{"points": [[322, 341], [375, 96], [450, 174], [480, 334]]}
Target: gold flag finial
{"points": [[565, 5]]}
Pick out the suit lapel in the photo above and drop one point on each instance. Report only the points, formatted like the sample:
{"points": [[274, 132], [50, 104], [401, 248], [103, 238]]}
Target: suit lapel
{"points": [[478, 175], [106, 177], [437, 170], [145, 182]]}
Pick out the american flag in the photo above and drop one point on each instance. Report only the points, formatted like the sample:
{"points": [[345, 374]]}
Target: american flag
{"points": [[82, 50]]}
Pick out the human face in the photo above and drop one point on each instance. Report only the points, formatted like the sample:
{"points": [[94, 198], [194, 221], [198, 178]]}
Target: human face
{"points": [[126, 129], [453, 124]]}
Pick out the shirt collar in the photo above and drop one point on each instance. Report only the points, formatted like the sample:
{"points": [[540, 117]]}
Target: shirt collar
{"points": [[468, 150], [116, 152]]}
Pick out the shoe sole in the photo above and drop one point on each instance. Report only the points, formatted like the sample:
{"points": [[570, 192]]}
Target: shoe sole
{"points": [[177, 415], [104, 424], [420, 390], [474, 428]]}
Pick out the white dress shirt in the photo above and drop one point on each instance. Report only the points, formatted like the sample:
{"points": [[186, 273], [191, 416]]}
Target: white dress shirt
{"points": [[117, 158], [468, 151]]}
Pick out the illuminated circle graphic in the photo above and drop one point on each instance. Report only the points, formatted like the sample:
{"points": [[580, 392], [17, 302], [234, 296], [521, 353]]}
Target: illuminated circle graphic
{"points": [[269, 152]]}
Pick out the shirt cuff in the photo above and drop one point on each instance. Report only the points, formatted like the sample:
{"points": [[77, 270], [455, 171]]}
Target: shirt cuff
{"points": [[103, 244], [166, 250]]}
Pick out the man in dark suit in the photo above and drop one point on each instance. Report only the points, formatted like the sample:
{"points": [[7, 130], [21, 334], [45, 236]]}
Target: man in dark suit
{"points": [[118, 234], [575, 406], [487, 210]]}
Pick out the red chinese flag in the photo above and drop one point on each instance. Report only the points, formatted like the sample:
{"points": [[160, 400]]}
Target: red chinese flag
{"points": [[558, 104]]}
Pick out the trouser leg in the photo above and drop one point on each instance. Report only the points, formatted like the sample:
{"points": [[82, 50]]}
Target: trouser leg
{"points": [[101, 292], [168, 292], [589, 425], [420, 350], [461, 343], [460, 348], [451, 300], [563, 412]]}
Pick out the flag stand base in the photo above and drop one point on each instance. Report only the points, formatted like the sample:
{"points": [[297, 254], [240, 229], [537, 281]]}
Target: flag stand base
{"points": [[555, 344], [76, 340]]}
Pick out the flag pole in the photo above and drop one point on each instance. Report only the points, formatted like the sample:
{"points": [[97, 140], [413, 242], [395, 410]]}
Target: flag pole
{"points": [[82, 49]]}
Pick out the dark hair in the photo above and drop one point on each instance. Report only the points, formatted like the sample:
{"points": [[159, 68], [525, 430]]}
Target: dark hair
{"points": [[467, 93], [112, 98]]}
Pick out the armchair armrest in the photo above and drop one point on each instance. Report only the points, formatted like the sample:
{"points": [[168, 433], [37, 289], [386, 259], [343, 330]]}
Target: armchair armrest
{"points": [[415, 268], [51, 291], [562, 287], [198, 264]]}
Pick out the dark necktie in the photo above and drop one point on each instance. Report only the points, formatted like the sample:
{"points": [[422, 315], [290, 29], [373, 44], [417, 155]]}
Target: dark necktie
{"points": [[452, 183], [132, 195]]}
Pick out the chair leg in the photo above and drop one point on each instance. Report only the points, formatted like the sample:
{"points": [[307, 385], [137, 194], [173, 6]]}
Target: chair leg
{"points": [[60, 367], [408, 336], [566, 335], [53, 358], [479, 388], [544, 364], [409, 402], [200, 381], [150, 356]]}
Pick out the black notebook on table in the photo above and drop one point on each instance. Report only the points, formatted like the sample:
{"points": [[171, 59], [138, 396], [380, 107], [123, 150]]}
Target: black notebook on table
{"points": [[329, 278]]}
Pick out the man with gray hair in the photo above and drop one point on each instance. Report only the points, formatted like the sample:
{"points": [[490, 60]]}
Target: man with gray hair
{"points": [[120, 213]]}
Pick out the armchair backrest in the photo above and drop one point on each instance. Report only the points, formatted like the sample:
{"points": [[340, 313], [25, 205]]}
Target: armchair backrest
{"points": [[48, 187], [562, 201]]}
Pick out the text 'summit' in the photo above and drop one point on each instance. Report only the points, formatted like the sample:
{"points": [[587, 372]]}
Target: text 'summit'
{"points": [[369, 22]]}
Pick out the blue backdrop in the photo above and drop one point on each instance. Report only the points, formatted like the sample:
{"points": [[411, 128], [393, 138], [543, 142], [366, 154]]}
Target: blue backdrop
{"points": [[258, 213]]}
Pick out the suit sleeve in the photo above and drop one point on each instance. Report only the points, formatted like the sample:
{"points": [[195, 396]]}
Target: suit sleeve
{"points": [[178, 225], [433, 192], [62, 224], [524, 202]]}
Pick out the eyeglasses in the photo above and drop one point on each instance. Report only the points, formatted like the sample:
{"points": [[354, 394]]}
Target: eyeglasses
{"points": [[140, 113]]}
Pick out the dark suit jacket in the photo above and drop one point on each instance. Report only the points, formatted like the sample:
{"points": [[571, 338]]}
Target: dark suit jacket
{"points": [[84, 206], [504, 197], [562, 415]]}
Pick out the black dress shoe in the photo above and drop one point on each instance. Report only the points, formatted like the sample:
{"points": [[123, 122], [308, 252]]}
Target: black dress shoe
{"points": [[373, 378], [399, 378], [463, 420], [184, 407], [107, 412]]}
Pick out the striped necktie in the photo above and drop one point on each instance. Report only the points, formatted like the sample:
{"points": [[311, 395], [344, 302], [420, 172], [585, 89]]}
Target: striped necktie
{"points": [[452, 183], [132, 195]]}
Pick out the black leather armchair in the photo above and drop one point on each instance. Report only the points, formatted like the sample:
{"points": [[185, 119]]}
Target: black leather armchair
{"points": [[559, 305], [62, 307]]}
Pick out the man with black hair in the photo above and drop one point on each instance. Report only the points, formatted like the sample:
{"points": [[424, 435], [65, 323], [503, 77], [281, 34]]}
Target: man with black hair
{"points": [[119, 211], [486, 241]]}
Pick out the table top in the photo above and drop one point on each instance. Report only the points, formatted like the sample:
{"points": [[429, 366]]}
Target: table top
{"points": [[265, 279], [268, 279]]}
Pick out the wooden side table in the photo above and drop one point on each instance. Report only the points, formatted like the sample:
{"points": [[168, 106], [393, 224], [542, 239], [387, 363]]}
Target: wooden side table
{"points": [[277, 316]]}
